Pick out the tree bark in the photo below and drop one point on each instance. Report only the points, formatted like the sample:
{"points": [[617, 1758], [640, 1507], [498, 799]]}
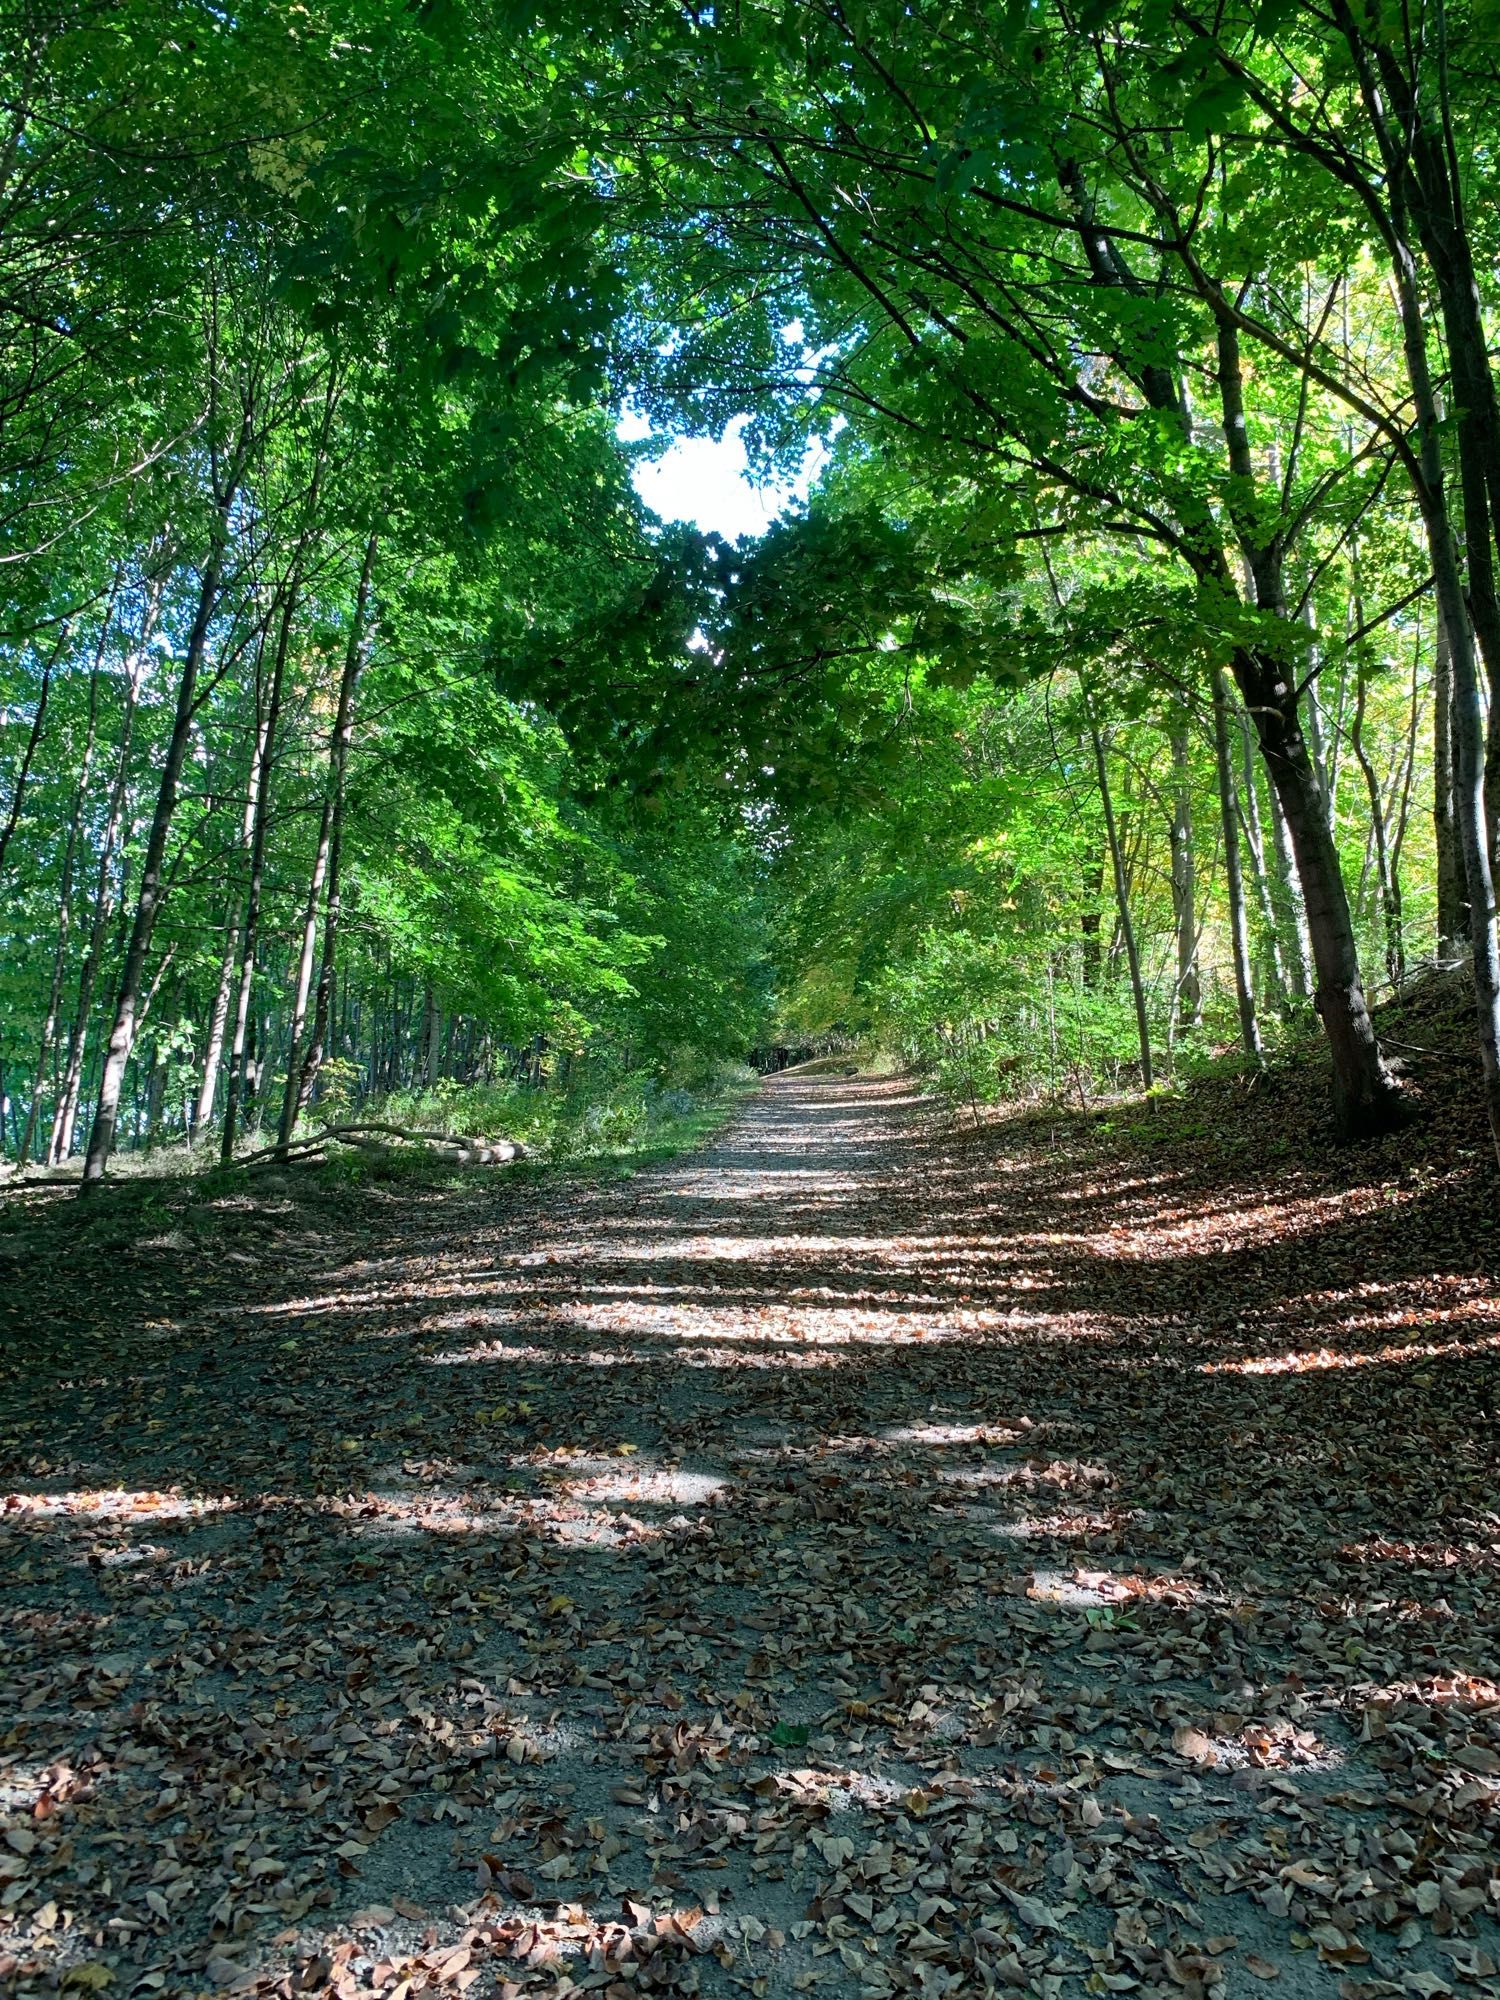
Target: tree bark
{"points": [[153, 883], [218, 1019], [1188, 998], [1122, 900], [64, 1117], [1234, 881], [432, 1039], [1390, 909], [65, 886], [1365, 1095], [33, 740], [1249, 810], [1451, 903], [235, 1089], [301, 1072]]}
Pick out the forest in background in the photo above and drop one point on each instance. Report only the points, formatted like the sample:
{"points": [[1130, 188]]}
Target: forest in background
{"points": [[1121, 696]]}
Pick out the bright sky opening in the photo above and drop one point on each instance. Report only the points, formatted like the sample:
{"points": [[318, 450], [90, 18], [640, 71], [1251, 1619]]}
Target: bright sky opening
{"points": [[708, 480]]}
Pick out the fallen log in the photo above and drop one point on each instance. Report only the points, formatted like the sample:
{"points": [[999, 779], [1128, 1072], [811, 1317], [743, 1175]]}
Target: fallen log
{"points": [[451, 1148]]}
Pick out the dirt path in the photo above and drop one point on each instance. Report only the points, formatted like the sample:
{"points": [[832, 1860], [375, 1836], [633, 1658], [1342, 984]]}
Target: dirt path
{"points": [[852, 1560]]}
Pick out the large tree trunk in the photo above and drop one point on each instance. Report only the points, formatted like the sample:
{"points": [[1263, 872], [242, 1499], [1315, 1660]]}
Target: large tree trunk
{"points": [[1365, 1097], [1461, 614], [1410, 114], [1234, 880]]}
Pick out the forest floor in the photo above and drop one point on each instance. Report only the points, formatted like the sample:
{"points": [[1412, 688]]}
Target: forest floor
{"points": [[866, 1556]]}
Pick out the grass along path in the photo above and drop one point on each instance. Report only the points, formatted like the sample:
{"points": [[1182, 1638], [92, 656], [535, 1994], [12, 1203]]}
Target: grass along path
{"points": [[863, 1557]]}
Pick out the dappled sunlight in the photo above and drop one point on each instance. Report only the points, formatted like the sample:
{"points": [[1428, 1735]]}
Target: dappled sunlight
{"points": [[749, 1566], [940, 1434], [674, 1488], [109, 1504], [1319, 1359], [1059, 1473], [1071, 1525]]}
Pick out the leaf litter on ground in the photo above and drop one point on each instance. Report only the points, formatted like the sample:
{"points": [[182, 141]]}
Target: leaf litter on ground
{"points": [[866, 1558]]}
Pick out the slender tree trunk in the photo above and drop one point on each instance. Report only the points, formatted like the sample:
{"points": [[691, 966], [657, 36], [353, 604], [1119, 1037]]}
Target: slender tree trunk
{"points": [[432, 1039], [65, 889], [237, 1089], [1234, 881], [218, 1020], [299, 1081], [1088, 923], [1365, 1095], [1400, 815], [218, 1023], [1188, 1008], [1249, 809], [1315, 743], [1451, 923], [317, 1041], [1290, 903], [1365, 1098], [1122, 900], [65, 1115], [156, 1090], [33, 740], [1390, 914], [153, 883]]}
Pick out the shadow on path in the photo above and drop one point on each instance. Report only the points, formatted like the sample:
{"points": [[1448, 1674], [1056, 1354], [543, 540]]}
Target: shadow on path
{"points": [[855, 1559]]}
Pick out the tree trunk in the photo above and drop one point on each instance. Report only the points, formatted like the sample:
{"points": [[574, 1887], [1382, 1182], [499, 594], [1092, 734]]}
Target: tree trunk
{"points": [[1290, 902], [236, 1092], [1188, 998], [1390, 912], [1365, 1096], [218, 1020], [1451, 914], [33, 740], [1234, 881], [300, 1072], [1366, 1100], [1315, 743], [64, 1117], [1122, 900], [1461, 615], [1249, 809], [65, 887], [432, 1039], [153, 884]]}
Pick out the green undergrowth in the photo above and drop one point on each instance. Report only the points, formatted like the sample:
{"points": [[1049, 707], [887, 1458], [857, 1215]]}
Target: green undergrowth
{"points": [[612, 1122], [170, 1201], [1225, 1107]]}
